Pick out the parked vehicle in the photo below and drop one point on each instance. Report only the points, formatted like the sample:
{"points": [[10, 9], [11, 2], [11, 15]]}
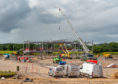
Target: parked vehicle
{"points": [[107, 56], [57, 59], [65, 70], [91, 70], [87, 57]]}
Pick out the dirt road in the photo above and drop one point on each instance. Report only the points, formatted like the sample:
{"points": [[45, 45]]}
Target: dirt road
{"points": [[25, 68]]}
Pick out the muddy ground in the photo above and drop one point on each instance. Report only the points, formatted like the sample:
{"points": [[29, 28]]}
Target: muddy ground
{"points": [[38, 71]]}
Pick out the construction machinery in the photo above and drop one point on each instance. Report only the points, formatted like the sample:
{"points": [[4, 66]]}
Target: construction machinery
{"points": [[107, 56], [57, 59], [86, 50], [66, 53]]}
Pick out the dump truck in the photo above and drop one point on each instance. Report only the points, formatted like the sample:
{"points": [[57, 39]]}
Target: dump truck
{"points": [[68, 70]]}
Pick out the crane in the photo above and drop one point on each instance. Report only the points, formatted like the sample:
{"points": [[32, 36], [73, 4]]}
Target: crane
{"points": [[86, 50]]}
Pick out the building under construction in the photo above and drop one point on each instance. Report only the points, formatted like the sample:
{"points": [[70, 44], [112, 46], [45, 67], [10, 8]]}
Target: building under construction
{"points": [[53, 46]]}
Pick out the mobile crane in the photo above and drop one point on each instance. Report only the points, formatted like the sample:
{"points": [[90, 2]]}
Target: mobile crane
{"points": [[86, 50]]}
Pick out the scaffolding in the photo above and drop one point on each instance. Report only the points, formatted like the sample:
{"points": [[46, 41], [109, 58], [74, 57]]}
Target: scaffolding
{"points": [[47, 47]]}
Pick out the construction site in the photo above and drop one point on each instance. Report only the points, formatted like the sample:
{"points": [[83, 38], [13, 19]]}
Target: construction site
{"points": [[37, 68], [59, 62]]}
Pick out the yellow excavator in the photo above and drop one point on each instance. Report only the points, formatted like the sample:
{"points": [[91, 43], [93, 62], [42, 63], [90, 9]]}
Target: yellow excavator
{"points": [[66, 53]]}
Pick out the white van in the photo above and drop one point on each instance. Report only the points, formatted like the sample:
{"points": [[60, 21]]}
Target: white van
{"points": [[91, 70]]}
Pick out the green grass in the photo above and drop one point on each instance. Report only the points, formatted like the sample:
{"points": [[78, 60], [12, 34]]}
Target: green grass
{"points": [[112, 53], [8, 52], [7, 73], [57, 53]]}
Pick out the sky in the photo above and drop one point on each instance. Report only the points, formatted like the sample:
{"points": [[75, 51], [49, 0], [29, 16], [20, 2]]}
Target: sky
{"points": [[40, 20]]}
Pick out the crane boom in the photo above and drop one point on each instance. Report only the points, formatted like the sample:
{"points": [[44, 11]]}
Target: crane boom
{"points": [[79, 38]]}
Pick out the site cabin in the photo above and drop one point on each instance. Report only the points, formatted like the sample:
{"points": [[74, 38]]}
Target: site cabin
{"points": [[72, 70], [55, 71], [65, 70], [91, 70]]}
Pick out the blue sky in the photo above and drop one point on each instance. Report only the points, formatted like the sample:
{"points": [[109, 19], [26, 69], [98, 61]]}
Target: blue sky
{"points": [[38, 20]]}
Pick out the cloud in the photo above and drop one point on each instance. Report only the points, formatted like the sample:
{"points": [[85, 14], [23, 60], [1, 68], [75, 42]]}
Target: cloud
{"points": [[11, 13], [40, 19]]}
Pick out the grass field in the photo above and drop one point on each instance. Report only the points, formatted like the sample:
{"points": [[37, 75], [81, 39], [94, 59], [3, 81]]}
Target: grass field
{"points": [[8, 52], [7, 73], [56, 53], [113, 53]]}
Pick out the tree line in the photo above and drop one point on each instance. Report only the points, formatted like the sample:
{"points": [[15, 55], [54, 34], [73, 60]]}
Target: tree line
{"points": [[97, 48], [16, 47], [105, 47]]}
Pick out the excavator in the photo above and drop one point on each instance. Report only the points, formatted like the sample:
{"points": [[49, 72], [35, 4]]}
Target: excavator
{"points": [[107, 56], [86, 50]]}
